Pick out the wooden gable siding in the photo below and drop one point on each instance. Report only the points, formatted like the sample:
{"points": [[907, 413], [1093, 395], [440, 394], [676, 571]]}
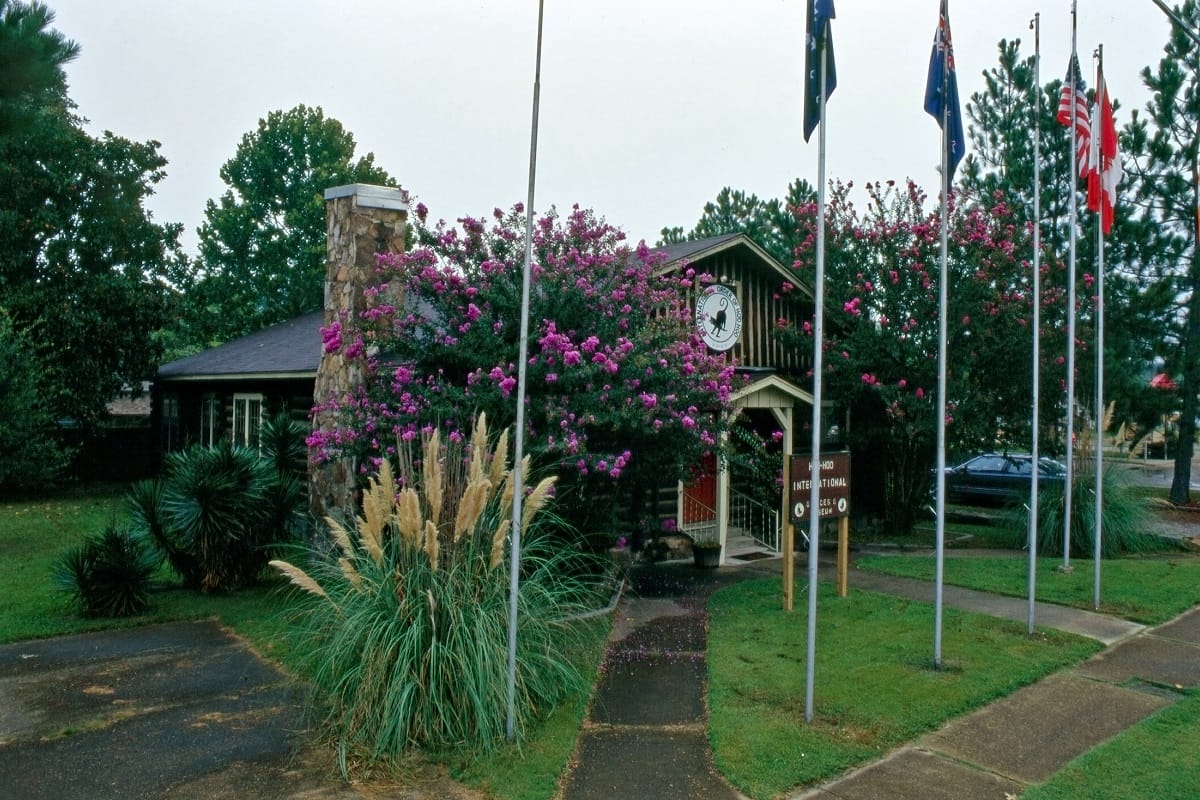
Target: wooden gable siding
{"points": [[763, 301]]}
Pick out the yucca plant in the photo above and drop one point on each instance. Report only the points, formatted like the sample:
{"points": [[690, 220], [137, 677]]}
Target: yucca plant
{"points": [[408, 618], [282, 441], [1125, 526], [109, 574], [145, 504], [215, 502], [218, 514]]}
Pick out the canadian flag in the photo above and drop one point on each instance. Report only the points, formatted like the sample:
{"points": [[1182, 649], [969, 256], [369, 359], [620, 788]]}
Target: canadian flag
{"points": [[1104, 165]]}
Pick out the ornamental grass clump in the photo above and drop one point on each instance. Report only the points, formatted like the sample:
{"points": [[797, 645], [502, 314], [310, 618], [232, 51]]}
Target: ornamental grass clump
{"points": [[1126, 527], [407, 611]]}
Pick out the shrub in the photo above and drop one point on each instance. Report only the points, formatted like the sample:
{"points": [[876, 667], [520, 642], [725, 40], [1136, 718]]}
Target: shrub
{"points": [[1124, 526], [409, 616], [144, 502], [621, 392], [282, 443], [219, 514], [31, 456], [109, 574]]}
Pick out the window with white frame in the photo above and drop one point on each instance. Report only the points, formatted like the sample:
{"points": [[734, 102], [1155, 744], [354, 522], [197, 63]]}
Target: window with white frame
{"points": [[247, 419], [210, 411]]}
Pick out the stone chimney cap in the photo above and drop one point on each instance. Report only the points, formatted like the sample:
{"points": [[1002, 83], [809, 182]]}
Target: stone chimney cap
{"points": [[369, 196]]}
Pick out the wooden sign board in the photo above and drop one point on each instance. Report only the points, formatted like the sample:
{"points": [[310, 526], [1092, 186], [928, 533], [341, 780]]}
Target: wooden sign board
{"points": [[833, 491]]}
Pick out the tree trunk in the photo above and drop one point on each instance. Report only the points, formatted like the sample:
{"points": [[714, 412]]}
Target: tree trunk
{"points": [[1181, 483]]}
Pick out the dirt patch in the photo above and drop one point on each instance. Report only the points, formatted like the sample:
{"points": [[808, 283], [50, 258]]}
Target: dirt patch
{"points": [[429, 782], [1178, 521]]}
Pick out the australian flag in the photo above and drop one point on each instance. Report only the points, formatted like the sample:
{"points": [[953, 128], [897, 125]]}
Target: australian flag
{"points": [[819, 13], [941, 92]]}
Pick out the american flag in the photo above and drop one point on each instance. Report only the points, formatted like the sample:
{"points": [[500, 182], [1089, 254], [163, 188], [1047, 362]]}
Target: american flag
{"points": [[1083, 123]]}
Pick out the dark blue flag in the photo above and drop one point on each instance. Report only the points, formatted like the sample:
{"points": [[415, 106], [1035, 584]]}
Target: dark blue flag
{"points": [[819, 14], [941, 92]]}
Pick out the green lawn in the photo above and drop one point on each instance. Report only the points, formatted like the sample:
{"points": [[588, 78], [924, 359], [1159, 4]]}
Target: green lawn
{"points": [[876, 686], [33, 533], [1149, 590]]}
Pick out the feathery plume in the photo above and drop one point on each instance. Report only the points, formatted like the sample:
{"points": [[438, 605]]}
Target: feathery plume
{"points": [[431, 544], [499, 537], [431, 475], [299, 577], [409, 514], [537, 498]]}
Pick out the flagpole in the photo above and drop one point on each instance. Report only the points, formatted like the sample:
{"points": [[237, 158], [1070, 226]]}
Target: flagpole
{"points": [[514, 574], [943, 283], [1097, 135], [814, 522], [1036, 24], [1068, 482]]}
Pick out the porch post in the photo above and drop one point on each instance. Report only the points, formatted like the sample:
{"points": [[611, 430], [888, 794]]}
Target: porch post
{"points": [[784, 417], [723, 496]]}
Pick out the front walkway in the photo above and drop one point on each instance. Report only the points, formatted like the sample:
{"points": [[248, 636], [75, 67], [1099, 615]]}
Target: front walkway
{"points": [[646, 734]]}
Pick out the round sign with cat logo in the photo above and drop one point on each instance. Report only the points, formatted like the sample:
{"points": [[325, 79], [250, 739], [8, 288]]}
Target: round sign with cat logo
{"points": [[718, 317]]}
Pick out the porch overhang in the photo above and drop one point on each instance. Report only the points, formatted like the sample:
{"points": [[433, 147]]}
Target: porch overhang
{"points": [[779, 396]]}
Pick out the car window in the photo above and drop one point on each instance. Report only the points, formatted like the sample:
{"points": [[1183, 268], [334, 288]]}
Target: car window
{"points": [[987, 464], [1051, 467], [1021, 466]]}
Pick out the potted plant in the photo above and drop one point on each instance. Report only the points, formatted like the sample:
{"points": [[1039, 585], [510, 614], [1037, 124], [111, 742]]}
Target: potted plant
{"points": [[706, 551]]}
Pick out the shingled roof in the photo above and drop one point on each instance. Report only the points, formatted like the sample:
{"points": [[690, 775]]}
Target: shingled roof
{"points": [[695, 247], [290, 349], [698, 249]]}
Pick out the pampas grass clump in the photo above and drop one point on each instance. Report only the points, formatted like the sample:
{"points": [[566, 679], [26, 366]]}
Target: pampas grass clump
{"points": [[408, 616], [1126, 525]]}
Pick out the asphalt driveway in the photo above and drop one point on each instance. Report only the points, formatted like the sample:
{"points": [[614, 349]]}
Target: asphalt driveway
{"points": [[167, 711]]}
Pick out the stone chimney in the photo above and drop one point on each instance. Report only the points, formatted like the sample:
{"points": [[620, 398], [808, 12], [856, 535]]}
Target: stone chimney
{"points": [[360, 222]]}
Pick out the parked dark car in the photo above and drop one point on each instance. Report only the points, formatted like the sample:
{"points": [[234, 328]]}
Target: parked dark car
{"points": [[999, 477]]}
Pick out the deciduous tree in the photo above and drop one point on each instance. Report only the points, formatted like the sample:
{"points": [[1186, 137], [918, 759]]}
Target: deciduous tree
{"points": [[262, 243], [82, 262], [621, 392]]}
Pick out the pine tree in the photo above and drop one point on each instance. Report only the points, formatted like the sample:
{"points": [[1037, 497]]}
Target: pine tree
{"points": [[1164, 153]]}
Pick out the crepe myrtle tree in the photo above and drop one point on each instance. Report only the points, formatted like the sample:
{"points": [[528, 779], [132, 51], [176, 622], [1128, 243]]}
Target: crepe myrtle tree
{"points": [[880, 351], [622, 394]]}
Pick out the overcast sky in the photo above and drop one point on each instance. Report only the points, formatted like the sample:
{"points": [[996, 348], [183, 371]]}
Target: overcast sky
{"points": [[648, 107]]}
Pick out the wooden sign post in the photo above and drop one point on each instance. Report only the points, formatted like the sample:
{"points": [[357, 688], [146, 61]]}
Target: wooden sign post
{"points": [[833, 501]]}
